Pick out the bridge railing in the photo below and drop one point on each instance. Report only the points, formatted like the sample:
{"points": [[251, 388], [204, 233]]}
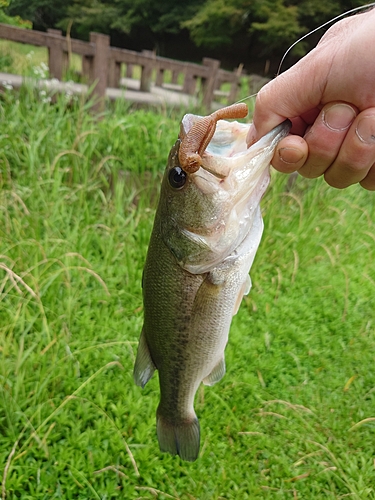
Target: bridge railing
{"points": [[102, 65]]}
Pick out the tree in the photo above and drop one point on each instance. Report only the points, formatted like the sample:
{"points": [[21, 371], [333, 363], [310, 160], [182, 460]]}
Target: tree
{"points": [[129, 16], [217, 21], [42, 14], [13, 20], [268, 27], [247, 31], [277, 27]]}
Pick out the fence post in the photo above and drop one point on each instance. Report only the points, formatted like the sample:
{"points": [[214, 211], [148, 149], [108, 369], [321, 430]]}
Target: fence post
{"points": [[88, 69], [209, 83], [129, 70], [175, 74], [146, 75], [235, 84], [57, 58], [114, 73], [100, 66], [190, 82], [159, 76]]}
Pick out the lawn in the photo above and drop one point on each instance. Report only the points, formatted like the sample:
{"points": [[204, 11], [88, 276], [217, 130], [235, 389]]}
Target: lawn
{"points": [[293, 418]]}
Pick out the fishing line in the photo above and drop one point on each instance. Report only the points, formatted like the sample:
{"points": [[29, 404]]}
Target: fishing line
{"points": [[351, 11], [320, 27]]}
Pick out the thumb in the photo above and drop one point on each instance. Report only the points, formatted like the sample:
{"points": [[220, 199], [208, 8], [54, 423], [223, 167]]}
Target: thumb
{"points": [[289, 95]]}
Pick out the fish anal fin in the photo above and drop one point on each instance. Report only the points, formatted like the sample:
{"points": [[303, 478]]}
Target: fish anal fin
{"points": [[217, 373], [181, 439], [247, 285], [144, 366], [245, 289]]}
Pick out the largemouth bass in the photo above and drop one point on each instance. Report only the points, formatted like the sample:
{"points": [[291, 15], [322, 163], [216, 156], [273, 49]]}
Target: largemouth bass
{"points": [[206, 232]]}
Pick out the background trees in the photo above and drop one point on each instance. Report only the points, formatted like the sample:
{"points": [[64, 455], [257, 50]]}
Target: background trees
{"points": [[253, 32]]}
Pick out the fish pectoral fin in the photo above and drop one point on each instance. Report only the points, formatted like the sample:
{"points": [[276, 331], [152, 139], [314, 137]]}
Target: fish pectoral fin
{"points": [[217, 373], [144, 366], [181, 439], [245, 289]]}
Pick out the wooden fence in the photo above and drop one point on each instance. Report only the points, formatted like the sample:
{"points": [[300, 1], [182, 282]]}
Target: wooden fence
{"points": [[101, 64]]}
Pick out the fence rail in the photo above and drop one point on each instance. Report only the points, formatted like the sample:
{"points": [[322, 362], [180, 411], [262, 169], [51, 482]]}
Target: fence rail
{"points": [[101, 64]]}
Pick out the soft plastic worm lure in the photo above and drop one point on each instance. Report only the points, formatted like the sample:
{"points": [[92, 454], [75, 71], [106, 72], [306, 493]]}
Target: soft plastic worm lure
{"points": [[199, 136]]}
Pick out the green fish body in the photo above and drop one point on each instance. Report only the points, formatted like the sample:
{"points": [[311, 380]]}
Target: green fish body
{"points": [[206, 232]]}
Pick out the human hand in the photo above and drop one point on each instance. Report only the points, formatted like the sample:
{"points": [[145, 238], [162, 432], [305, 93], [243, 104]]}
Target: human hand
{"points": [[329, 95]]}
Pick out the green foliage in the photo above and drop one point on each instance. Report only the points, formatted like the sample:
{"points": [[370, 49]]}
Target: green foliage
{"points": [[216, 22], [278, 26], [91, 16], [127, 16], [294, 415], [255, 29], [42, 14], [29, 60], [313, 13], [272, 24], [13, 21], [6, 62]]}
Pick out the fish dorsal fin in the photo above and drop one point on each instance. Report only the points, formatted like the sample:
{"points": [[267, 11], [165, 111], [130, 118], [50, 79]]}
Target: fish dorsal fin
{"points": [[217, 373], [144, 366]]}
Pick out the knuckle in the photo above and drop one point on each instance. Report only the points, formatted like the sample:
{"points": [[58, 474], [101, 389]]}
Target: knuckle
{"points": [[335, 182], [312, 170], [355, 166], [368, 185]]}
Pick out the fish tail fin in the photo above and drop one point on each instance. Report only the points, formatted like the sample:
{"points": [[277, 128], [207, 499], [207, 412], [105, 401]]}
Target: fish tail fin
{"points": [[182, 439]]}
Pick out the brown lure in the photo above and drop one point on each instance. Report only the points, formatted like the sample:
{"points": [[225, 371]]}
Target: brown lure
{"points": [[199, 136]]}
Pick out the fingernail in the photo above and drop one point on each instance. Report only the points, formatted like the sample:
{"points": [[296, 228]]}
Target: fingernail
{"points": [[338, 117], [251, 136], [365, 129], [290, 155]]}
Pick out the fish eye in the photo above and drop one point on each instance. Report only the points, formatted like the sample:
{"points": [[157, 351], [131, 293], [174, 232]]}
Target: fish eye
{"points": [[177, 177]]}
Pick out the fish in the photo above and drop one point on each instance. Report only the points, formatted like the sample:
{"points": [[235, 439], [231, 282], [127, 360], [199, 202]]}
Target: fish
{"points": [[206, 232]]}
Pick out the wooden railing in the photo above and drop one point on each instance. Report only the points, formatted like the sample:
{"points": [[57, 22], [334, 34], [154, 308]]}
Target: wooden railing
{"points": [[101, 64]]}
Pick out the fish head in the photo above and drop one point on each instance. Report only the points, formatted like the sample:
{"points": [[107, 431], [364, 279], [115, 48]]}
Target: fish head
{"points": [[206, 214]]}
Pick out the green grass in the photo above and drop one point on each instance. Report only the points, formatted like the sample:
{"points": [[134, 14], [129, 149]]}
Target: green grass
{"points": [[294, 416], [20, 56], [30, 60]]}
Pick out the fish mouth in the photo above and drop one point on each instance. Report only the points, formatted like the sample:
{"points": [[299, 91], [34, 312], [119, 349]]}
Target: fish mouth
{"points": [[221, 170], [219, 175], [274, 136]]}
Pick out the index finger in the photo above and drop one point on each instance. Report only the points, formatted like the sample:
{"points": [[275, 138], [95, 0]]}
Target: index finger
{"points": [[289, 95]]}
